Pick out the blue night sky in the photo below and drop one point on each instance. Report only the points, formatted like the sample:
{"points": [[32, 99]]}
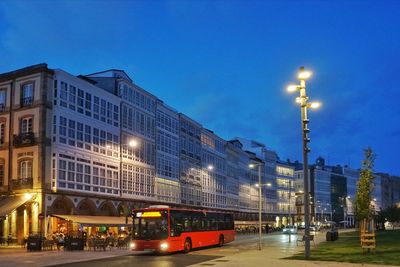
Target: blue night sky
{"points": [[226, 64]]}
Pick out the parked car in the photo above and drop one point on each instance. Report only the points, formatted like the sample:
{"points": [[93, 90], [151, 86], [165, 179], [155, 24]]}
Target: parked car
{"points": [[290, 230]]}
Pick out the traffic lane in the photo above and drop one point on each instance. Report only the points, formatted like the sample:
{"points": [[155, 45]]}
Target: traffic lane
{"points": [[147, 260], [270, 242], [276, 243]]}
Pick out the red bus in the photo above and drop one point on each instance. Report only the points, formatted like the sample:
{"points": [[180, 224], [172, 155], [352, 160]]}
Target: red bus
{"points": [[164, 229]]}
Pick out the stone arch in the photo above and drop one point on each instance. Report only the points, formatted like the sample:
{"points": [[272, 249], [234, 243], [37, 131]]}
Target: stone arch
{"points": [[86, 207], [124, 209], [107, 209], [61, 205]]}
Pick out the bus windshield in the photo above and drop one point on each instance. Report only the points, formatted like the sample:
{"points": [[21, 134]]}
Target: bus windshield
{"points": [[150, 228]]}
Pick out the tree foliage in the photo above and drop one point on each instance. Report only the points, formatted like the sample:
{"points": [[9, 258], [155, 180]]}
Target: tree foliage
{"points": [[365, 186]]}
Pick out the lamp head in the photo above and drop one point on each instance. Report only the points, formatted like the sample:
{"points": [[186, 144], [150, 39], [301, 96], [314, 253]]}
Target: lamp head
{"points": [[133, 143], [304, 74], [292, 88], [314, 105], [28, 196]]}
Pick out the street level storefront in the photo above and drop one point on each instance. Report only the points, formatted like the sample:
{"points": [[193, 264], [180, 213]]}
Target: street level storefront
{"points": [[90, 225], [18, 217]]}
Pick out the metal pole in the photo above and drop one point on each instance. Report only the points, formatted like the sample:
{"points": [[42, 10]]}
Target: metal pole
{"points": [[259, 207], [305, 131], [290, 213]]}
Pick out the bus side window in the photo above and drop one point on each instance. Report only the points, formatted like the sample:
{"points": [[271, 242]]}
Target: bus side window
{"points": [[176, 223], [187, 222], [213, 220], [228, 224], [206, 223], [221, 223]]}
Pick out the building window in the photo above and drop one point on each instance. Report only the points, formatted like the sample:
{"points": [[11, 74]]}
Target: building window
{"points": [[2, 100], [25, 169], [27, 95], [2, 132], [26, 125], [1, 172]]}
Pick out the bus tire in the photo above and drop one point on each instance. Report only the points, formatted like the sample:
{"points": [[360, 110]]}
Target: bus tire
{"points": [[187, 246], [221, 241]]}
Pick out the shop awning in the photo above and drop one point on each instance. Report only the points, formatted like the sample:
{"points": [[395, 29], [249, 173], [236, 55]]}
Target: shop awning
{"points": [[10, 203], [87, 220]]}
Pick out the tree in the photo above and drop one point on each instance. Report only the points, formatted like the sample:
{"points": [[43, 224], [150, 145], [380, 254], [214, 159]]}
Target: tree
{"points": [[365, 187]]}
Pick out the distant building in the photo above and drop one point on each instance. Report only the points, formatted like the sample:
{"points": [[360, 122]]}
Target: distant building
{"points": [[332, 193]]}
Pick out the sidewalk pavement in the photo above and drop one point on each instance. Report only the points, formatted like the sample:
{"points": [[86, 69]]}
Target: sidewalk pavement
{"points": [[274, 257], [16, 256]]}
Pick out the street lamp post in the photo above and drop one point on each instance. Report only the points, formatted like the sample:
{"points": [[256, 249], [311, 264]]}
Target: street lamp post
{"points": [[259, 185], [290, 211], [251, 166], [303, 75], [259, 207]]}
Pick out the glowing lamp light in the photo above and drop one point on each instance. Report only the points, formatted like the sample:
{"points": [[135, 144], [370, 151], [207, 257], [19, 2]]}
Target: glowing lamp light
{"points": [[257, 185], [210, 167], [132, 245], [251, 166], [133, 143], [304, 74], [292, 88], [28, 196], [315, 105], [298, 100], [269, 184]]}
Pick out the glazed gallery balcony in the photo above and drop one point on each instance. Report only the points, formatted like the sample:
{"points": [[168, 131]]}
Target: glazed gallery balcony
{"points": [[21, 183], [24, 139]]}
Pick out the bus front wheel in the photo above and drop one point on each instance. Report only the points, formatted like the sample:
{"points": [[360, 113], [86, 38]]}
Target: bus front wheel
{"points": [[187, 246], [221, 241]]}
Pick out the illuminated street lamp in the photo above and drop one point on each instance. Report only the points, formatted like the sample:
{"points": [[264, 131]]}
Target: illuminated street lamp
{"points": [[210, 167], [303, 75], [259, 185], [133, 143]]}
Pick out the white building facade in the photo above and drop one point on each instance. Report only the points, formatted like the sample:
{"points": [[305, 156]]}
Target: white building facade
{"points": [[167, 162]]}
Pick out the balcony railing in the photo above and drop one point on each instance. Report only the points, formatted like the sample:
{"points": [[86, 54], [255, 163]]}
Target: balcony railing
{"points": [[22, 183], [24, 139], [26, 101]]}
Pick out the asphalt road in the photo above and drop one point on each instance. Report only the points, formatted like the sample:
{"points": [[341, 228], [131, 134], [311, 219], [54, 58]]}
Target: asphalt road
{"points": [[275, 243]]}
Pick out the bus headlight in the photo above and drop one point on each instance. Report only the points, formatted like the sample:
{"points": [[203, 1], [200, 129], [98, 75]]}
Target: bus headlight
{"points": [[164, 246], [132, 245]]}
